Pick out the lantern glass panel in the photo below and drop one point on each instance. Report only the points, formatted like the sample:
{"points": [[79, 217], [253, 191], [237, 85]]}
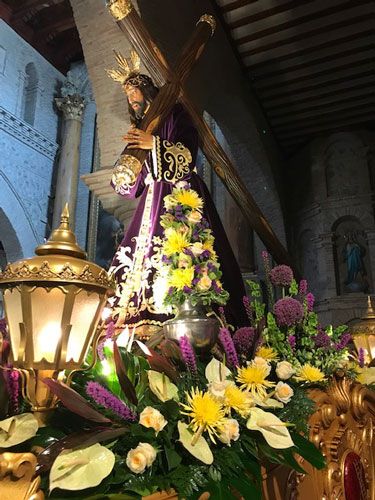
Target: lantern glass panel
{"points": [[13, 309], [47, 309], [86, 305]]}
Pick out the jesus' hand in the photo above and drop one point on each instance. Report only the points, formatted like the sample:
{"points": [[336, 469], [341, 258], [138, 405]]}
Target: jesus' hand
{"points": [[138, 139]]}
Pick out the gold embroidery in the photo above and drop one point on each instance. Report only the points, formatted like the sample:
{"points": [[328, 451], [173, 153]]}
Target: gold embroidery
{"points": [[134, 271], [178, 158], [207, 18], [119, 8], [159, 167], [125, 173]]}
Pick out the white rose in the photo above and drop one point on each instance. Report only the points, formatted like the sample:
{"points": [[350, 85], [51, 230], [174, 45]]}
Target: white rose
{"points": [[182, 185], [194, 217], [283, 392], [197, 248], [204, 284], [261, 362], [217, 388], [140, 457], [150, 417], [230, 431], [284, 370]]}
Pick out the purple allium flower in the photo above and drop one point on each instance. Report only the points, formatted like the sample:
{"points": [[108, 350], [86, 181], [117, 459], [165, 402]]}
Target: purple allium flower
{"points": [[302, 290], [230, 351], [243, 340], [310, 299], [188, 354], [343, 342], [105, 398], [248, 307], [361, 357], [292, 341], [281, 275], [322, 339], [110, 331], [288, 311]]}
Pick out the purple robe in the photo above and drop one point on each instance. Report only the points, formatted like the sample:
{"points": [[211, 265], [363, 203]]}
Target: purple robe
{"points": [[172, 160]]}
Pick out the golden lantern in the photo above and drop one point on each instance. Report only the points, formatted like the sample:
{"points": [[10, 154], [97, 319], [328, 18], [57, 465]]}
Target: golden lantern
{"points": [[363, 333], [53, 303]]}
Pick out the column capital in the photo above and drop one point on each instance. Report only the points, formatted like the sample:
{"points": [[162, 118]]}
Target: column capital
{"points": [[72, 106]]}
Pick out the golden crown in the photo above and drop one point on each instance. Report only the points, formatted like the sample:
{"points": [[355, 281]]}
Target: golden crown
{"points": [[126, 67]]}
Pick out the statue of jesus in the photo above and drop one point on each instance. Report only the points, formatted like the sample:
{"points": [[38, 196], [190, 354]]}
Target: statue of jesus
{"points": [[172, 152]]}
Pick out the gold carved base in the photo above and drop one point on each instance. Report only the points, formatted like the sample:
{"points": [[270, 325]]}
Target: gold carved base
{"points": [[17, 481]]}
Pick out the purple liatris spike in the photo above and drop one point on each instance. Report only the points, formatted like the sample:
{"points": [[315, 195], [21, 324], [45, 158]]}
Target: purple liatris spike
{"points": [[110, 330], [188, 354], [105, 398], [361, 357], [228, 345], [302, 290], [310, 299], [343, 342], [13, 387], [292, 341], [248, 307]]}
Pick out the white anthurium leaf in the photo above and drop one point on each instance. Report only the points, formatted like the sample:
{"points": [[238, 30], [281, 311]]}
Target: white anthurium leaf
{"points": [[161, 386], [216, 371], [273, 429], [17, 429], [201, 449], [80, 469], [144, 348]]}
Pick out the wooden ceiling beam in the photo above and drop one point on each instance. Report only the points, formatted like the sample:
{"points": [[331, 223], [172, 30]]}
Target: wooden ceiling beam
{"points": [[293, 108], [316, 94], [58, 26], [356, 62], [346, 78], [300, 37], [258, 16], [321, 111], [302, 131], [236, 5], [6, 12], [28, 6], [275, 69]]}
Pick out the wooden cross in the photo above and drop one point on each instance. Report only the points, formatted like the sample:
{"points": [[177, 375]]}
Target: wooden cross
{"points": [[131, 24]]}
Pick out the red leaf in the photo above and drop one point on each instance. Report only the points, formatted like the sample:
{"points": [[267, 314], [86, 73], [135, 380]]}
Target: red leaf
{"points": [[76, 440], [161, 364], [124, 381], [74, 401]]}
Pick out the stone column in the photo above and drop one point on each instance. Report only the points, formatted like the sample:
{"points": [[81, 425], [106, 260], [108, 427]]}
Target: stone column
{"points": [[72, 107], [328, 265]]}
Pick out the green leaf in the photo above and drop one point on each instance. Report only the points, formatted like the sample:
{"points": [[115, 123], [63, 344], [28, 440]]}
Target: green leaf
{"points": [[308, 451], [248, 490], [173, 458]]}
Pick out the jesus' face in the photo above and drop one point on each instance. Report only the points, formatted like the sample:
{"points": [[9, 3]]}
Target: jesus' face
{"points": [[136, 100]]}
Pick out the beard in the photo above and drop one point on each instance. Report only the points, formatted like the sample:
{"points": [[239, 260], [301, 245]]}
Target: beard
{"points": [[139, 111]]}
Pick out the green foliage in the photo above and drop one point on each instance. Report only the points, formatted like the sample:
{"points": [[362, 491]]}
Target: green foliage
{"points": [[298, 410]]}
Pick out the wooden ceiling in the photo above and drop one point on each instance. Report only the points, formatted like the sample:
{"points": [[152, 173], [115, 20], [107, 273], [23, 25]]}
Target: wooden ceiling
{"points": [[48, 26], [311, 62]]}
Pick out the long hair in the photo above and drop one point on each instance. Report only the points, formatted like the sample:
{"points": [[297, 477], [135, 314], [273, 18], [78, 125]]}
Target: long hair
{"points": [[149, 92]]}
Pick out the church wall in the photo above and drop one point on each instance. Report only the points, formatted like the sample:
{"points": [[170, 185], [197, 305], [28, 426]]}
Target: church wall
{"points": [[331, 224], [27, 149]]}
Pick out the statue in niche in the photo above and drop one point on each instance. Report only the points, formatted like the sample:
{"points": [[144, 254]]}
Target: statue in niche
{"points": [[354, 253]]}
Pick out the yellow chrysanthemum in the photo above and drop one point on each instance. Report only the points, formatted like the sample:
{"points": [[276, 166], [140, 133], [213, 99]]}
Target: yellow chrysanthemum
{"points": [[189, 198], [308, 373], [267, 353], [254, 379], [237, 400], [181, 277], [206, 412], [175, 243]]}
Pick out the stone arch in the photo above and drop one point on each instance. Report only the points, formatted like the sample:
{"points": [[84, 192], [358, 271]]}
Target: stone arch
{"points": [[351, 256], [30, 93], [21, 237]]}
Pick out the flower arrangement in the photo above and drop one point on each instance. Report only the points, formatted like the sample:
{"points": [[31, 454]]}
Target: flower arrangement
{"points": [[133, 425], [189, 266]]}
